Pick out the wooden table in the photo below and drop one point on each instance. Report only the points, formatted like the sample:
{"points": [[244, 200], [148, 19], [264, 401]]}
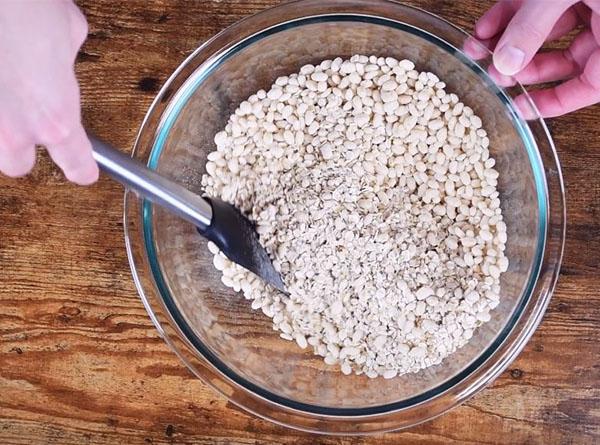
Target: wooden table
{"points": [[81, 363]]}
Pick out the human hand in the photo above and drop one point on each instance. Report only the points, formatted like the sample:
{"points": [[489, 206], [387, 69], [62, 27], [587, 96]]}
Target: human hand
{"points": [[39, 94], [515, 30]]}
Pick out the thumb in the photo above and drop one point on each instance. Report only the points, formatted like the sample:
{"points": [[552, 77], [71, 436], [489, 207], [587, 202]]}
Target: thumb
{"points": [[526, 33]]}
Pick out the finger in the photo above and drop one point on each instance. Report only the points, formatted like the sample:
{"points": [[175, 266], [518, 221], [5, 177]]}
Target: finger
{"points": [[16, 160], [595, 22], [55, 108], [476, 49], [17, 150], [566, 23], [74, 156], [559, 65], [479, 49], [548, 67], [78, 25], [572, 95], [57, 121], [593, 5], [501, 79], [495, 20], [526, 33]]}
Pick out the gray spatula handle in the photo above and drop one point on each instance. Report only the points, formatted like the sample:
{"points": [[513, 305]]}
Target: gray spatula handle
{"points": [[150, 185]]}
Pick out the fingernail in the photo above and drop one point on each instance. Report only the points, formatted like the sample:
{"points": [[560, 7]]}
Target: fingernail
{"points": [[509, 60]]}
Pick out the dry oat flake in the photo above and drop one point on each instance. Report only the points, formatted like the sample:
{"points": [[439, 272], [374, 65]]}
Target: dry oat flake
{"points": [[374, 192]]}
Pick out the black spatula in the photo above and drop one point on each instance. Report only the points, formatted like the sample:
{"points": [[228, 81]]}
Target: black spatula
{"points": [[216, 220]]}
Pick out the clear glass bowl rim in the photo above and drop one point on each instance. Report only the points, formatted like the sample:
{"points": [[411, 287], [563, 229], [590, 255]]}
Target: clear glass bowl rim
{"points": [[288, 412]]}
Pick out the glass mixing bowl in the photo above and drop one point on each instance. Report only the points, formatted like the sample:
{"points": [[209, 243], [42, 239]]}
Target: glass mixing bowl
{"points": [[234, 348]]}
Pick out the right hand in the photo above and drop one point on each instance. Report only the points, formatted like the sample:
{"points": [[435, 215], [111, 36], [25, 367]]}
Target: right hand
{"points": [[515, 30], [39, 94]]}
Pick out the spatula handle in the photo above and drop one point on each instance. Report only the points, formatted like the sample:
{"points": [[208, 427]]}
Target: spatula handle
{"points": [[150, 185]]}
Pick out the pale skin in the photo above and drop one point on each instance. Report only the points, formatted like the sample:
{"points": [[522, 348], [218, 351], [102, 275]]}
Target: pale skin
{"points": [[516, 29], [39, 94], [40, 101]]}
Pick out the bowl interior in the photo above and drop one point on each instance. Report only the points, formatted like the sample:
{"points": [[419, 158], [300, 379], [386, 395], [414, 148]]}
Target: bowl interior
{"points": [[218, 322]]}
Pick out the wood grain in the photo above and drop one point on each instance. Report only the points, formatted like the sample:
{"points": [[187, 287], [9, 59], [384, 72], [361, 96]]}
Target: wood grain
{"points": [[81, 363]]}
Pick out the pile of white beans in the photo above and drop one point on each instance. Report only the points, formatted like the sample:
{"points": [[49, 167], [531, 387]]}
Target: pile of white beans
{"points": [[374, 192]]}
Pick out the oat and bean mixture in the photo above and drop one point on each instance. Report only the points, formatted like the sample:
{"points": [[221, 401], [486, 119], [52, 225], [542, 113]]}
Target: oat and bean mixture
{"points": [[373, 190]]}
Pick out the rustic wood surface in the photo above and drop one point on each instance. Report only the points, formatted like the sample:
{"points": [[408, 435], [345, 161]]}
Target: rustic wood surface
{"points": [[81, 363]]}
